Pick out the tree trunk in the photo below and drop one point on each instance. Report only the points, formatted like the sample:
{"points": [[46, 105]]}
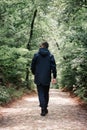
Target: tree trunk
{"points": [[29, 48], [60, 49], [31, 31], [57, 46]]}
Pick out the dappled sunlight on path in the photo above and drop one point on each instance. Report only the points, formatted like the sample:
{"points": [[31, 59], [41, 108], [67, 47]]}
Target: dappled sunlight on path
{"points": [[64, 114]]}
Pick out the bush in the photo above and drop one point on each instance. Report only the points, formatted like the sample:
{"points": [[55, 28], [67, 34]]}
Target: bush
{"points": [[4, 95], [82, 93], [9, 94], [13, 64]]}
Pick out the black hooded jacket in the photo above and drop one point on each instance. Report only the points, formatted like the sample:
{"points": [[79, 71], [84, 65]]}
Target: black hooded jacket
{"points": [[43, 64]]}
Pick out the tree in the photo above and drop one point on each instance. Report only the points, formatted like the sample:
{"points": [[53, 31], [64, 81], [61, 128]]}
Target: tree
{"points": [[72, 21]]}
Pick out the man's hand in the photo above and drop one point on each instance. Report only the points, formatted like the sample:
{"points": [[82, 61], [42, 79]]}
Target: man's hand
{"points": [[53, 81]]}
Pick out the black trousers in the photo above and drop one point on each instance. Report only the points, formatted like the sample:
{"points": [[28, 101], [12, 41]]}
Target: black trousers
{"points": [[43, 95]]}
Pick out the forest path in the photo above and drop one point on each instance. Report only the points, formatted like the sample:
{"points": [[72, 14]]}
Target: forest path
{"points": [[64, 114]]}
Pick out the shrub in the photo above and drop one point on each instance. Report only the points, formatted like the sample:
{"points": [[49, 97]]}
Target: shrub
{"points": [[4, 95]]}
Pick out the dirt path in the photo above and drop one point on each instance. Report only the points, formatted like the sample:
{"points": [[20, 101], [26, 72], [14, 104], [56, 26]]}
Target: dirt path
{"points": [[64, 114]]}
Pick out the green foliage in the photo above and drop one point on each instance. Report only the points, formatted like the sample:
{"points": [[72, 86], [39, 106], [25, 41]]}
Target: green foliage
{"points": [[11, 93], [62, 21], [15, 94], [13, 63], [73, 28], [4, 95], [82, 93]]}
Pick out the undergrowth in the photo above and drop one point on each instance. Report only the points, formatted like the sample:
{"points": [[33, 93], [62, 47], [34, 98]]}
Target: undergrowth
{"points": [[7, 95]]}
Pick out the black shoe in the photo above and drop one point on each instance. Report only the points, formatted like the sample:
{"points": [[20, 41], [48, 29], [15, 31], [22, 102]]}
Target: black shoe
{"points": [[46, 110], [43, 112]]}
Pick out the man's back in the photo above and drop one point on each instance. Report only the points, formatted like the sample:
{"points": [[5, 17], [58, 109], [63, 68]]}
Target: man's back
{"points": [[43, 67]]}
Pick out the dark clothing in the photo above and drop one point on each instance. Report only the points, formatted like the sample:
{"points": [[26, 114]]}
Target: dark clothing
{"points": [[43, 94], [43, 64]]}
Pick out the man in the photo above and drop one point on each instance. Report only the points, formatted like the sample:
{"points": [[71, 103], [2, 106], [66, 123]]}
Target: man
{"points": [[43, 64]]}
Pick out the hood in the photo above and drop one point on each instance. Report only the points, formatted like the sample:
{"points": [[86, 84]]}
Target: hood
{"points": [[44, 51]]}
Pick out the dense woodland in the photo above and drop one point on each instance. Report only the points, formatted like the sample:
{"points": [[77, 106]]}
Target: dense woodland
{"points": [[24, 24]]}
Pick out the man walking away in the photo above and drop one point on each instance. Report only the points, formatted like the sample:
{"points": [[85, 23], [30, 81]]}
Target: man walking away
{"points": [[43, 64]]}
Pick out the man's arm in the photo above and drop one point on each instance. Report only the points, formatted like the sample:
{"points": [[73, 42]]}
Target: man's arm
{"points": [[53, 69], [33, 64]]}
